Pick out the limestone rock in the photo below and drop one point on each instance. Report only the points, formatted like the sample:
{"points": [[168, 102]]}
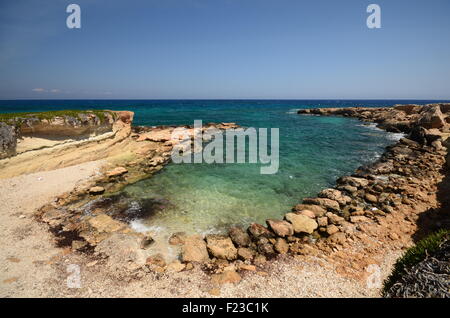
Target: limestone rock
{"points": [[227, 277], [96, 190], [281, 246], [245, 254], [194, 250], [177, 238], [116, 172], [239, 237], [301, 223], [337, 238], [105, 223], [335, 195], [257, 230], [370, 198], [316, 209], [325, 203], [280, 228], [176, 266], [431, 117], [221, 247]]}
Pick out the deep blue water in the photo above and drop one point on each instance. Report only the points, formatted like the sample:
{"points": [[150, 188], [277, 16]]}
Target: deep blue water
{"points": [[314, 151]]}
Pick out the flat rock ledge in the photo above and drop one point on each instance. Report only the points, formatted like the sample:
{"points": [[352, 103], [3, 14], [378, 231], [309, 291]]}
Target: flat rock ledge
{"points": [[405, 177]]}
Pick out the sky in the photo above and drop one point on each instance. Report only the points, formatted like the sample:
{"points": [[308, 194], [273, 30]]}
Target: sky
{"points": [[225, 49]]}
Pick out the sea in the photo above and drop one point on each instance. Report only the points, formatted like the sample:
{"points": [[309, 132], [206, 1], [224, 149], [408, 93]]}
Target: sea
{"points": [[208, 198]]}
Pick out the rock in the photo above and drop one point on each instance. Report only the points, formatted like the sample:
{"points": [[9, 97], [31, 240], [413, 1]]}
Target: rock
{"points": [[316, 209], [157, 260], [335, 195], [350, 189], [245, 254], [308, 213], [96, 190], [281, 246], [281, 228], [322, 221], [227, 277], [431, 117], [260, 259], [239, 237], [301, 223], [353, 181], [408, 109], [265, 247], [325, 203], [105, 224], [177, 238], [334, 219], [175, 266], [116, 172], [358, 218], [257, 230], [8, 141], [371, 198], [221, 247], [337, 238], [246, 267], [194, 250], [146, 241], [331, 229]]}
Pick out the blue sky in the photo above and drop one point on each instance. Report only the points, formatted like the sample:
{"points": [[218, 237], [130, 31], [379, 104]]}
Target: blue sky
{"points": [[175, 49]]}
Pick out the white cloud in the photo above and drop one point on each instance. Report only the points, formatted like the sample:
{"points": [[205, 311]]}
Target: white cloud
{"points": [[39, 90]]}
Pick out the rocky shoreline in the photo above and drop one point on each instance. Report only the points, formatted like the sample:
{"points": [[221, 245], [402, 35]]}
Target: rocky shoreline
{"points": [[379, 203]]}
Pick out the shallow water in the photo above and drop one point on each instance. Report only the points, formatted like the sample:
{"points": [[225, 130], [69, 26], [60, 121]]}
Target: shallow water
{"points": [[206, 198]]}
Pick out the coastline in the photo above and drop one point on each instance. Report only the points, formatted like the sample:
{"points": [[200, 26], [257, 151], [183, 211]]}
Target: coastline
{"points": [[368, 234]]}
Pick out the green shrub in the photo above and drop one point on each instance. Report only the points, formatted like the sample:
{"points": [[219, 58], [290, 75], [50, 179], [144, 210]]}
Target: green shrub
{"points": [[415, 255]]}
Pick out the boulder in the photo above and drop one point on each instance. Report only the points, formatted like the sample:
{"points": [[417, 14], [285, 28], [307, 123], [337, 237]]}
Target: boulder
{"points": [[335, 219], [316, 209], [371, 198], [353, 181], [337, 238], [221, 247], [239, 237], [325, 203], [331, 229], [105, 224], [257, 230], [194, 250], [301, 223], [177, 238], [245, 254], [116, 172], [280, 228], [96, 190], [431, 117], [308, 213], [281, 246], [157, 260], [176, 266], [335, 195], [8, 140]]}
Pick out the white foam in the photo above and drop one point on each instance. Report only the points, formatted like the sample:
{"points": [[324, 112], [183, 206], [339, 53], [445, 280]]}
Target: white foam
{"points": [[140, 227]]}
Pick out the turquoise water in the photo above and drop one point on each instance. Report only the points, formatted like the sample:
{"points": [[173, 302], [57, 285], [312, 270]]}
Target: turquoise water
{"points": [[202, 198]]}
